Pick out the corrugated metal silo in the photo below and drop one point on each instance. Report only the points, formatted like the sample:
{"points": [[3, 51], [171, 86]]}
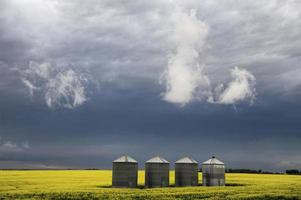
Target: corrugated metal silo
{"points": [[213, 172], [186, 172], [157, 172], [125, 172]]}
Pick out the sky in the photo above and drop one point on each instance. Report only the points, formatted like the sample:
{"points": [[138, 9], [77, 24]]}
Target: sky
{"points": [[84, 82]]}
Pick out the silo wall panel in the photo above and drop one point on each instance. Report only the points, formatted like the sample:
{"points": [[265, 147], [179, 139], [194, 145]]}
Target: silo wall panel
{"points": [[186, 174], [213, 175], [125, 175], [156, 175]]}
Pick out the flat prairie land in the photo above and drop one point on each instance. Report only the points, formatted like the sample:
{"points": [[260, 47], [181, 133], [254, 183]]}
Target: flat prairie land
{"points": [[96, 184]]}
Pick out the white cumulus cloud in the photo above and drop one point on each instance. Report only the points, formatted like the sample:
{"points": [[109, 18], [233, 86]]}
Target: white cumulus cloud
{"points": [[241, 88], [184, 75]]}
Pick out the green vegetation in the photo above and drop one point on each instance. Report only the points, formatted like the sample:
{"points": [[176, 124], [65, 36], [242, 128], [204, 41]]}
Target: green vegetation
{"points": [[95, 184]]}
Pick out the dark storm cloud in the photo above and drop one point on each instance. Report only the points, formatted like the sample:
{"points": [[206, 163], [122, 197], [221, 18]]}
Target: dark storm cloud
{"points": [[112, 38], [94, 134], [105, 61]]}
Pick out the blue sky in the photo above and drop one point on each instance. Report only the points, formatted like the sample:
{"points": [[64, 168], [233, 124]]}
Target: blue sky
{"points": [[85, 82]]}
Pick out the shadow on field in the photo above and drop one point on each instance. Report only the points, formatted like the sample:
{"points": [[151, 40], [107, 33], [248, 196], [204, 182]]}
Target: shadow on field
{"points": [[104, 186], [235, 184], [170, 186], [110, 186]]}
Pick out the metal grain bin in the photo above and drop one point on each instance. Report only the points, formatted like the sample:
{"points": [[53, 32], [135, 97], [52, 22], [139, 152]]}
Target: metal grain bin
{"points": [[213, 172], [186, 172], [125, 172], [157, 172]]}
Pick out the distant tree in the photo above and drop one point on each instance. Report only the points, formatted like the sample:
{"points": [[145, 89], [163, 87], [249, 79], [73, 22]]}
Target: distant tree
{"points": [[292, 171], [249, 171]]}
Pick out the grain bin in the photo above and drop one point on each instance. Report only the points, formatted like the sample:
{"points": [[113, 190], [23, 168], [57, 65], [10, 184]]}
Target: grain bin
{"points": [[125, 172], [157, 172], [186, 172], [213, 172]]}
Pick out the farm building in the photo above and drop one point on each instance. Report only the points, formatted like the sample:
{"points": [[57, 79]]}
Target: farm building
{"points": [[186, 172], [156, 172], [213, 172], [125, 172]]}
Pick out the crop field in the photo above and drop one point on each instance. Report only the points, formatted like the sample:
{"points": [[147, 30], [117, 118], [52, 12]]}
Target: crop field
{"points": [[96, 184]]}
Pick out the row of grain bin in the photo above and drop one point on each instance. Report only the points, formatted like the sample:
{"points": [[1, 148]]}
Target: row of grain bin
{"points": [[125, 172]]}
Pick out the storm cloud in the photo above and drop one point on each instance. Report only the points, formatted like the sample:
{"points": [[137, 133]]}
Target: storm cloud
{"points": [[96, 71]]}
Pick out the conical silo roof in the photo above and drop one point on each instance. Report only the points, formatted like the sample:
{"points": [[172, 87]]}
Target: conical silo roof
{"points": [[125, 158], [186, 160], [157, 159], [213, 161]]}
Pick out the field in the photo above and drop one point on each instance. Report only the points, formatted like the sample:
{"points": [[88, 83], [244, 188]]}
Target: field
{"points": [[95, 184]]}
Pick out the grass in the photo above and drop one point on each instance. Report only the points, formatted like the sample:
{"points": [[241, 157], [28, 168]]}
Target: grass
{"points": [[95, 184]]}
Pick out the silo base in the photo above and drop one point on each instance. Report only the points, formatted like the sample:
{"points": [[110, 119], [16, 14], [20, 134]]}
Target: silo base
{"points": [[214, 182]]}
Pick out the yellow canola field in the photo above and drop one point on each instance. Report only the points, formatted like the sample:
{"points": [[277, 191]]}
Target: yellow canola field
{"points": [[96, 184]]}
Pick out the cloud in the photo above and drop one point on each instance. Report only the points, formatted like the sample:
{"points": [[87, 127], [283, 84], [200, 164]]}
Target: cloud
{"points": [[7, 146], [241, 88], [141, 35], [66, 89], [60, 87], [30, 86], [130, 43], [184, 75]]}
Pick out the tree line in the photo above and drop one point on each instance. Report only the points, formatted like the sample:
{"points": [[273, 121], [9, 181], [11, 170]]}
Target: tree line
{"points": [[293, 171], [254, 171]]}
